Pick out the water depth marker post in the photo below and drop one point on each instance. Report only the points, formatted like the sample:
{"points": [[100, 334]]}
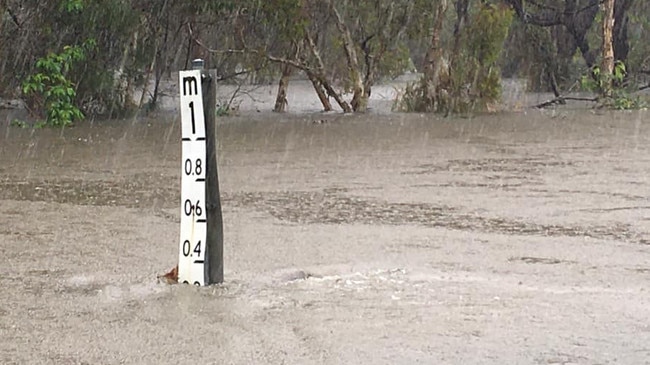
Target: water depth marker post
{"points": [[200, 257]]}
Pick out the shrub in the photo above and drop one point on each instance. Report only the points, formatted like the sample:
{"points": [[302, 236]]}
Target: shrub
{"points": [[618, 97], [50, 93]]}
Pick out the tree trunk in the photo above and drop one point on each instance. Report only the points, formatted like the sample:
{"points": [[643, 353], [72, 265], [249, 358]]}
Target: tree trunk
{"points": [[576, 17], [359, 101], [317, 79], [281, 99], [607, 65], [320, 91], [387, 38], [621, 19], [2, 13], [462, 13], [337, 97], [578, 24], [371, 65], [434, 57], [161, 52], [320, 82]]}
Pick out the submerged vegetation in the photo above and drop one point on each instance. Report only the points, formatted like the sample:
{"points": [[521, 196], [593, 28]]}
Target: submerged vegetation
{"points": [[70, 58], [50, 91], [469, 78], [612, 88]]}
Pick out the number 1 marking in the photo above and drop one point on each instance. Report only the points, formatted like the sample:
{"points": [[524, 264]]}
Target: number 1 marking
{"points": [[192, 110]]}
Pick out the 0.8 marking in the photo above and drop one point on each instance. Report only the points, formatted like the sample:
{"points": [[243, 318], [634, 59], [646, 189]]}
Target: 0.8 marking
{"points": [[195, 168]]}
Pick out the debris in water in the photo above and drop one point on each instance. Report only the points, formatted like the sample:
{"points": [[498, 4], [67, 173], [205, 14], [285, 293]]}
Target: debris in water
{"points": [[169, 278]]}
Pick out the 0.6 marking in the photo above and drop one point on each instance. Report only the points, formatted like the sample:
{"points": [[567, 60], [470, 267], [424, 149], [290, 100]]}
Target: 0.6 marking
{"points": [[190, 208]]}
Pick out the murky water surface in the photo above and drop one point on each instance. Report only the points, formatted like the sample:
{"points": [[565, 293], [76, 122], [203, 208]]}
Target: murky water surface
{"points": [[383, 238]]}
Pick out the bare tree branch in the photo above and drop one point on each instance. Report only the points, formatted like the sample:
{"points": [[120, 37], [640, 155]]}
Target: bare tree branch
{"points": [[562, 100]]}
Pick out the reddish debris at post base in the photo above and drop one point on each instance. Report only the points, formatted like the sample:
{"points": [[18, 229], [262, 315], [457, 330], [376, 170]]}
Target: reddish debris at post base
{"points": [[170, 277]]}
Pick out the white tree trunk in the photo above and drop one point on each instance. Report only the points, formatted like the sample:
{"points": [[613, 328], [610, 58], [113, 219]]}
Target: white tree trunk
{"points": [[607, 65]]}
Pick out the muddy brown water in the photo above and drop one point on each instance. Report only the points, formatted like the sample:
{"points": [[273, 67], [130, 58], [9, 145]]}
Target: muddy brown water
{"points": [[398, 239]]}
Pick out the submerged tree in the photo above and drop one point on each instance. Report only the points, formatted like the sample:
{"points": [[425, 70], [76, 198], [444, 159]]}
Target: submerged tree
{"points": [[372, 35], [341, 47], [570, 24], [466, 76]]}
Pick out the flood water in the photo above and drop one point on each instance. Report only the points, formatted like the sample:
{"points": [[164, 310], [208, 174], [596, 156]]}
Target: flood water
{"points": [[517, 237]]}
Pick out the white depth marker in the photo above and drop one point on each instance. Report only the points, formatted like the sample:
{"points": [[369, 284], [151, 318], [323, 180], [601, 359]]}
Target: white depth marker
{"points": [[191, 256]]}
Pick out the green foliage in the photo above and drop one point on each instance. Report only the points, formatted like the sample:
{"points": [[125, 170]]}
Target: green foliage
{"points": [[19, 124], [476, 66], [117, 27], [622, 100], [618, 97], [72, 6], [285, 17], [597, 81], [472, 79], [223, 111], [531, 53], [51, 91], [395, 62], [486, 33], [215, 6], [146, 41], [414, 98], [639, 33]]}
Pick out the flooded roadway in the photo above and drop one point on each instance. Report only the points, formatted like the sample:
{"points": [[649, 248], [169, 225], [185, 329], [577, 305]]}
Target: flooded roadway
{"points": [[377, 239]]}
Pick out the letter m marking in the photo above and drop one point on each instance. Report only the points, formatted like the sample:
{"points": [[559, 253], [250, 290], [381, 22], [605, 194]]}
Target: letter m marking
{"points": [[188, 82]]}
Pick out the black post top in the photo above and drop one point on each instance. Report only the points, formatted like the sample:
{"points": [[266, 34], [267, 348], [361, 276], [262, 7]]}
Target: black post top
{"points": [[198, 64]]}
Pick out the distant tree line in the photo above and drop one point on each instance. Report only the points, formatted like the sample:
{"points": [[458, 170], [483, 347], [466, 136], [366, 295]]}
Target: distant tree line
{"points": [[462, 48]]}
